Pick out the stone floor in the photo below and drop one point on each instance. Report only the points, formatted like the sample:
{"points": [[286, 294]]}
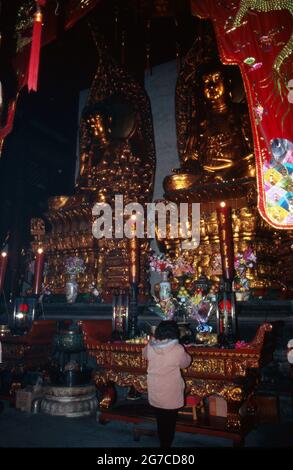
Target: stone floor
{"points": [[20, 429]]}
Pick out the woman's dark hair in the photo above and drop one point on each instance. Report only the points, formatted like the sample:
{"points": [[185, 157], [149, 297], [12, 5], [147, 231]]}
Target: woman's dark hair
{"points": [[167, 330]]}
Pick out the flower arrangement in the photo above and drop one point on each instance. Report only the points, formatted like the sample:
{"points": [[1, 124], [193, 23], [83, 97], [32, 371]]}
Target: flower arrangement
{"points": [[159, 263], [242, 262], [74, 266], [182, 268], [166, 308], [182, 304], [199, 307], [179, 267]]}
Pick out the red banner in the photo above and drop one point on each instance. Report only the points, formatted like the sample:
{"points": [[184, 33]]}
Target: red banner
{"points": [[257, 36]]}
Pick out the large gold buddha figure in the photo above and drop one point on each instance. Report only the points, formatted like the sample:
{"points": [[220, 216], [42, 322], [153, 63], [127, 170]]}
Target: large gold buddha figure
{"points": [[215, 148], [217, 145]]}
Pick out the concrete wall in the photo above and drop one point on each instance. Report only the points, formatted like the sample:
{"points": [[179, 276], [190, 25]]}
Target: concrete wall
{"points": [[160, 87]]}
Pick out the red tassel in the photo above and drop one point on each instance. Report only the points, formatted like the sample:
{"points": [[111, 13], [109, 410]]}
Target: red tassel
{"points": [[33, 71]]}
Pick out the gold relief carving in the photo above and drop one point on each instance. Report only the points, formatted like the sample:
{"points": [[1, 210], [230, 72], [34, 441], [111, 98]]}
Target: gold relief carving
{"points": [[207, 366], [37, 228], [229, 367], [125, 360], [235, 394], [57, 202], [122, 379], [100, 357], [204, 388], [240, 368]]}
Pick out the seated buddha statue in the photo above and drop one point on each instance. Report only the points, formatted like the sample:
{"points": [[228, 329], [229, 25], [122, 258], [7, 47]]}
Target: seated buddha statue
{"points": [[218, 143]]}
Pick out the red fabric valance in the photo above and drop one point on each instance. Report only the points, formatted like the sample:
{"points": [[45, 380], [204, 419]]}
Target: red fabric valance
{"points": [[257, 35]]}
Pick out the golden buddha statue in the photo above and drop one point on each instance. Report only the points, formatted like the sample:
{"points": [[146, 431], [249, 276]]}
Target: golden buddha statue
{"points": [[217, 142]]}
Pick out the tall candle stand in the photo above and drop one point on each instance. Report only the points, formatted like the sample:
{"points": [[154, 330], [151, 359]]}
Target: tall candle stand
{"points": [[134, 254], [227, 325]]}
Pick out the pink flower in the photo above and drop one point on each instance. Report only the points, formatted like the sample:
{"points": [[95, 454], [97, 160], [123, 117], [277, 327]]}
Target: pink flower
{"points": [[255, 66], [241, 345]]}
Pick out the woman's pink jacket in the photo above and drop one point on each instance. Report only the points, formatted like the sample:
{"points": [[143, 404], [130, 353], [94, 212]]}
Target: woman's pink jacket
{"points": [[164, 379]]}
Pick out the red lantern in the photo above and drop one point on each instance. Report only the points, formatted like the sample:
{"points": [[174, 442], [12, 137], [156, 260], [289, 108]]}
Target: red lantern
{"points": [[23, 308], [33, 71], [228, 305]]}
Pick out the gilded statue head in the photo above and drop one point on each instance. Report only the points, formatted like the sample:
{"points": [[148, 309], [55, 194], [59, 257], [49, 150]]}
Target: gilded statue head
{"points": [[111, 119], [213, 85], [97, 125]]}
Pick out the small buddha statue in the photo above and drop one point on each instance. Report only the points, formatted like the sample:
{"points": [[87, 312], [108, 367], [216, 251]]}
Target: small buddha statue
{"points": [[218, 142]]}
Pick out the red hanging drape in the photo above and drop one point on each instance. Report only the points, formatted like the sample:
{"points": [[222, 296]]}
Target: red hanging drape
{"points": [[257, 36]]}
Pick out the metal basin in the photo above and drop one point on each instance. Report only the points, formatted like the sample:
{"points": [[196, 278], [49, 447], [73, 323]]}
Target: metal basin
{"points": [[68, 341]]}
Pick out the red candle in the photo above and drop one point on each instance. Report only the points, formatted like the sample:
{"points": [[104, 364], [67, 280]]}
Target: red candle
{"points": [[224, 215], [134, 256], [38, 275], [3, 266], [133, 260]]}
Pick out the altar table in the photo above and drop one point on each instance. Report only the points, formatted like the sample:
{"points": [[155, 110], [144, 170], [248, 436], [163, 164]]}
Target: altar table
{"points": [[230, 373]]}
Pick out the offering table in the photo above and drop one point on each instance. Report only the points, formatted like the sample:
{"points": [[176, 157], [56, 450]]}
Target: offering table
{"points": [[232, 374]]}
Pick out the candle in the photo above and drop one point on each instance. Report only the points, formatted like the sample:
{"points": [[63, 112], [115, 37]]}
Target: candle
{"points": [[224, 216], [38, 274], [134, 260], [134, 256], [3, 266]]}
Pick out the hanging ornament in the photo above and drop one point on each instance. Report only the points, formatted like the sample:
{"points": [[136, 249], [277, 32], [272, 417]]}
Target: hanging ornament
{"points": [[255, 66], [33, 72], [249, 60], [258, 111]]}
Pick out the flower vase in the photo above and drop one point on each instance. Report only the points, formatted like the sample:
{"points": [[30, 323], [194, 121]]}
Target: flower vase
{"points": [[165, 287], [71, 289]]}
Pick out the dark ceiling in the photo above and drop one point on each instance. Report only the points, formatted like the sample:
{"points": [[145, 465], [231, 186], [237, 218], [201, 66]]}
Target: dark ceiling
{"points": [[39, 156]]}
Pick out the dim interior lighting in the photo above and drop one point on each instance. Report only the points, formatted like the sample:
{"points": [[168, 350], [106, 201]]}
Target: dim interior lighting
{"points": [[222, 204], [3, 254], [40, 251]]}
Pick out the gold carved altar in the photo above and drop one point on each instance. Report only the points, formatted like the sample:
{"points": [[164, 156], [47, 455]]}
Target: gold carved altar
{"points": [[232, 374]]}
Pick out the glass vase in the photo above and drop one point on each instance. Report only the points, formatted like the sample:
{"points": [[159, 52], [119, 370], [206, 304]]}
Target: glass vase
{"points": [[165, 287], [71, 289]]}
